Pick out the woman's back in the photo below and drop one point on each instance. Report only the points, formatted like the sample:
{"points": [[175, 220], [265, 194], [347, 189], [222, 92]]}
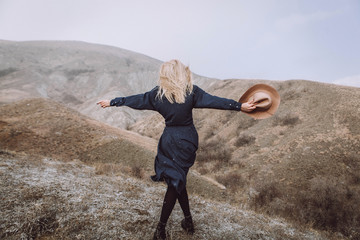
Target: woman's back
{"points": [[176, 114]]}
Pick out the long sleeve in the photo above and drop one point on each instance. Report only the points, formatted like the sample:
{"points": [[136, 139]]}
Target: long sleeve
{"points": [[142, 101], [204, 100]]}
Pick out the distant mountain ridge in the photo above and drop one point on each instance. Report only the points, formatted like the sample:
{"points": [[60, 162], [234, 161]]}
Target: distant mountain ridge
{"points": [[77, 74], [73, 73]]}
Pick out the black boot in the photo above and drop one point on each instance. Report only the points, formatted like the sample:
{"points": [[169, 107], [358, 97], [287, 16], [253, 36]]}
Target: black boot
{"points": [[160, 233], [188, 225]]}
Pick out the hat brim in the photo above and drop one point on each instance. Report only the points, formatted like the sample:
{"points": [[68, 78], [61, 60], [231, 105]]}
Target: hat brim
{"points": [[260, 113]]}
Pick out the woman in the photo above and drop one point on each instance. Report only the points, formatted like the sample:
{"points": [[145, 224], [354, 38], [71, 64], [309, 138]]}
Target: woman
{"points": [[174, 98]]}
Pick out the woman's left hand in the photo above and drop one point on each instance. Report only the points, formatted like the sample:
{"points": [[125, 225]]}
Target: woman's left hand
{"points": [[104, 103], [248, 106]]}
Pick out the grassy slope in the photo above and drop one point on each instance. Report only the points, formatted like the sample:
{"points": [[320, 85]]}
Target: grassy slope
{"points": [[303, 163], [47, 199], [66, 176], [44, 127]]}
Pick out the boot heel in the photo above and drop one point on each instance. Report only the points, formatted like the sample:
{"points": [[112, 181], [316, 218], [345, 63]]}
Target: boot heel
{"points": [[160, 232], [188, 225]]}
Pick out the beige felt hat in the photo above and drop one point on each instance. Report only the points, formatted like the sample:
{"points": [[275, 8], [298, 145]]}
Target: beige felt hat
{"points": [[266, 98]]}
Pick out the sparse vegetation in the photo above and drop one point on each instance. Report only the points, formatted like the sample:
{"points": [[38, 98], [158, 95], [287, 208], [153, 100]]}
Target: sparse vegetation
{"points": [[214, 150], [7, 71], [303, 165], [244, 140], [137, 172], [111, 169], [266, 193], [287, 120], [328, 204], [232, 180], [73, 73], [71, 137], [244, 124], [49, 199]]}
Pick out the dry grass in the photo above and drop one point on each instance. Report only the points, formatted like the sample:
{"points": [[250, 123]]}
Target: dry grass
{"points": [[286, 154], [48, 199], [234, 181], [326, 202], [289, 119], [330, 205], [302, 162], [281, 157], [213, 150], [244, 140]]}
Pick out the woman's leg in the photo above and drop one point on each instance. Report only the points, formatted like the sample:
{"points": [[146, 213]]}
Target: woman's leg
{"points": [[168, 204], [186, 223], [184, 202]]}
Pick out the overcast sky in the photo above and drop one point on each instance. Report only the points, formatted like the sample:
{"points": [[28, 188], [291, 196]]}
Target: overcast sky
{"points": [[316, 40]]}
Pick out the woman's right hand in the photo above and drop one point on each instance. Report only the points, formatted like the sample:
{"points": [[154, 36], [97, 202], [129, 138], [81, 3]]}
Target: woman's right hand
{"points": [[248, 106], [104, 103]]}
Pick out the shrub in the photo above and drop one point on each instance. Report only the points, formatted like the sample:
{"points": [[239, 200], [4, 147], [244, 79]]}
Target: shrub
{"points": [[328, 204], [107, 168], [209, 133], [244, 140], [214, 151], [71, 74], [287, 120], [35, 214], [203, 170], [232, 180], [137, 172], [114, 169], [7, 71], [267, 191], [40, 222], [245, 123]]}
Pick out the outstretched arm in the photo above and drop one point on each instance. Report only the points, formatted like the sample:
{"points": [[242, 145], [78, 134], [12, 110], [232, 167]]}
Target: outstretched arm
{"points": [[206, 100], [203, 99], [104, 103], [142, 101]]}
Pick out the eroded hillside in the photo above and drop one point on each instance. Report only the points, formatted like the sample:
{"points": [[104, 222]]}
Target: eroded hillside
{"points": [[47, 128], [303, 163], [66, 176], [77, 74]]}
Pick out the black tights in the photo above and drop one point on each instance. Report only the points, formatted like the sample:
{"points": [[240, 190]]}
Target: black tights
{"points": [[169, 202]]}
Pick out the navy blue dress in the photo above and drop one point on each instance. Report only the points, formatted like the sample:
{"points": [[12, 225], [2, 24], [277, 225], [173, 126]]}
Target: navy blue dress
{"points": [[178, 144]]}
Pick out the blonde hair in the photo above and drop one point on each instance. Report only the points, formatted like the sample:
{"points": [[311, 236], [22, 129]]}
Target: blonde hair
{"points": [[175, 81]]}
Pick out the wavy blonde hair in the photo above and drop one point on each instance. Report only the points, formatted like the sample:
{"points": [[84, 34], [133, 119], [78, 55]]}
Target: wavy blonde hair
{"points": [[175, 81]]}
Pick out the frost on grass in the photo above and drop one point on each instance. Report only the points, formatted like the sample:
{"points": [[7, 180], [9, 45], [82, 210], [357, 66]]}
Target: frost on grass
{"points": [[56, 200]]}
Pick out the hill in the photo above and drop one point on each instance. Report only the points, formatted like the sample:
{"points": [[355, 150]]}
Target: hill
{"points": [[302, 164], [77, 74], [42, 127], [66, 176]]}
